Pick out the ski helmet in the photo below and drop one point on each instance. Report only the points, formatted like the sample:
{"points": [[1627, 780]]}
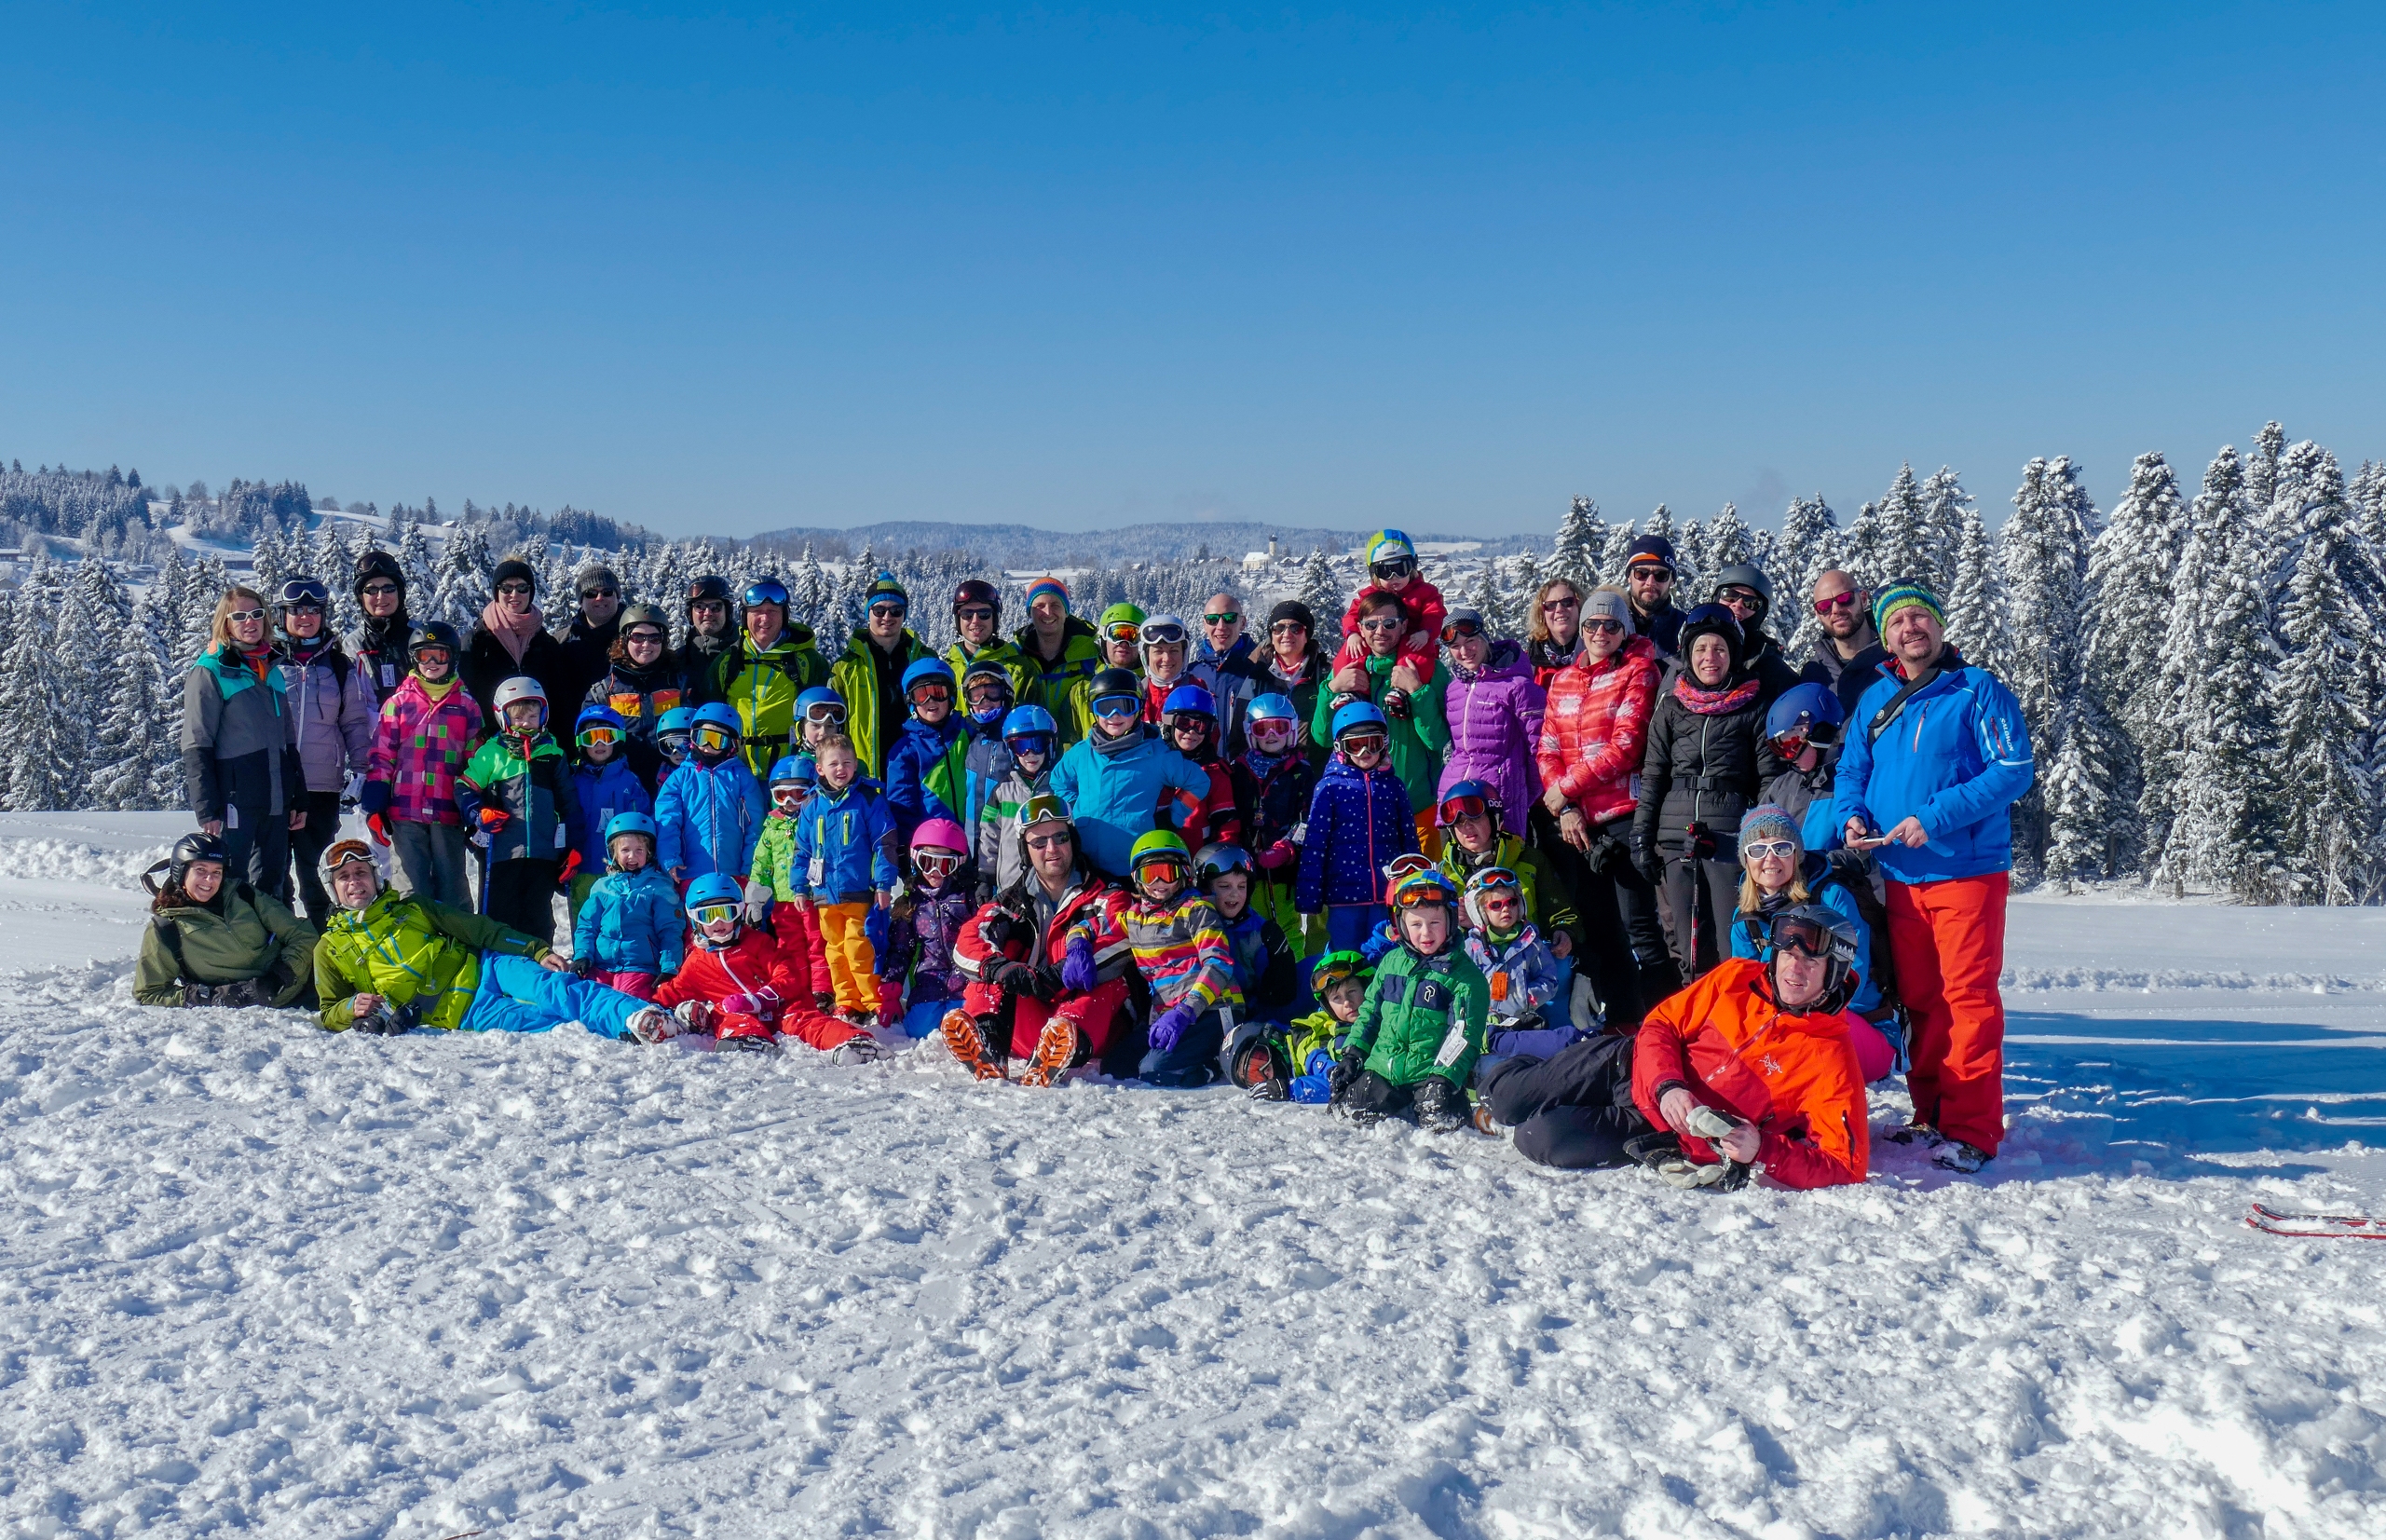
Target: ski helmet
{"points": [[435, 634], [1029, 729], [977, 591], [717, 732], [1713, 620], [347, 852], [939, 833], [1421, 888], [762, 591], [597, 713], [1158, 845], [1468, 799], [1272, 707], [928, 671], [1751, 576], [1485, 881], [1189, 701], [707, 589], [1112, 685], [1163, 630], [631, 823], [706, 901], [987, 668], [1808, 711], [1331, 968], [1217, 858], [301, 593], [794, 769], [1812, 929], [1360, 714], [678, 719], [516, 691], [379, 564], [198, 845], [644, 614], [821, 703]]}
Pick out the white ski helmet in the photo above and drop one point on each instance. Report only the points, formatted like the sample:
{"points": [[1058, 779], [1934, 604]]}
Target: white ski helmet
{"points": [[520, 688]]}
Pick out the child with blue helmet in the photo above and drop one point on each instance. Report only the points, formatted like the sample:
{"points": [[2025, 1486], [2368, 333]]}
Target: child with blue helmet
{"points": [[604, 786], [628, 933]]}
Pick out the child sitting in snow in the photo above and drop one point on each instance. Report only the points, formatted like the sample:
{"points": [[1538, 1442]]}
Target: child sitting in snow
{"points": [[1391, 568], [1420, 1029], [1032, 738], [1180, 949], [1518, 969], [924, 981], [768, 894], [629, 931], [737, 987], [1301, 1054]]}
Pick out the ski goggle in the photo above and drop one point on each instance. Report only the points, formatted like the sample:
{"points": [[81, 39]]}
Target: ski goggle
{"points": [[674, 741], [713, 914], [1393, 568], [1821, 734], [347, 852], [1180, 720], [768, 592], [1165, 634], [1418, 895], [1117, 705], [1160, 869], [989, 692], [926, 694], [1493, 880], [1266, 727], [1401, 867], [935, 863], [1362, 743], [1460, 629], [787, 794], [600, 734], [1029, 742], [712, 738], [1457, 807], [830, 711], [1802, 938], [438, 654], [1336, 968], [1124, 631]]}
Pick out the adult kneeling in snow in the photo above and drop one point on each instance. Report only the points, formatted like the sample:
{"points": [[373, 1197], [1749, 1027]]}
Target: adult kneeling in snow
{"points": [[1752, 1066], [213, 943], [387, 962]]}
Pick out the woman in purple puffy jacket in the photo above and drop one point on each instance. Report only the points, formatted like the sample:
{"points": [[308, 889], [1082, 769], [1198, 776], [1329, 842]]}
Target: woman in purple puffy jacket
{"points": [[1493, 709]]}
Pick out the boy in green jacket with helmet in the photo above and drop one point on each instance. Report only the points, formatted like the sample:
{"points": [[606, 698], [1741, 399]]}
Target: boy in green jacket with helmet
{"points": [[1417, 1037]]}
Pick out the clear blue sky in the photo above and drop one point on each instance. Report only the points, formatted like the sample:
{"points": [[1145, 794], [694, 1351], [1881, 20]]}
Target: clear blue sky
{"points": [[726, 271]]}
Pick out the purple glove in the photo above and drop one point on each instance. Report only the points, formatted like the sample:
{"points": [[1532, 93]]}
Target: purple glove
{"points": [[1170, 1025], [743, 1005], [1077, 968]]}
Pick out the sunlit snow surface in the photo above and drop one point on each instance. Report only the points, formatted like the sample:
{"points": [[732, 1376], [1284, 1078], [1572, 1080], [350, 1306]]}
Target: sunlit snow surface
{"points": [[255, 1278]]}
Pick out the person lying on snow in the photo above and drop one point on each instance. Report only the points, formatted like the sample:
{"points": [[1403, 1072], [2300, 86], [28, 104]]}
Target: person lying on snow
{"points": [[1418, 1035], [1752, 1067], [388, 963], [737, 986], [213, 943], [628, 934], [1045, 960], [1301, 1054]]}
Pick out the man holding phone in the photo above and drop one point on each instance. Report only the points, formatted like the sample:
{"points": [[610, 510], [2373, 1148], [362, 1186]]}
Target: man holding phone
{"points": [[1936, 754]]}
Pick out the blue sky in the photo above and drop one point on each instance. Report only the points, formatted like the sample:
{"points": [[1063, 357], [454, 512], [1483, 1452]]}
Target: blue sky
{"points": [[729, 270]]}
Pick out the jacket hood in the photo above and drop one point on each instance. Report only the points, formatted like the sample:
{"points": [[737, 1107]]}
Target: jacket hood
{"points": [[1506, 661]]}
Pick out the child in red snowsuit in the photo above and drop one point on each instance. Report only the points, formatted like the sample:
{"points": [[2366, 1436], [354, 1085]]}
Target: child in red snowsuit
{"points": [[738, 984], [1391, 568]]}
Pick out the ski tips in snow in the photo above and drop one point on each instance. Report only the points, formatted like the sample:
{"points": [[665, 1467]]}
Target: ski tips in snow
{"points": [[2317, 1227]]}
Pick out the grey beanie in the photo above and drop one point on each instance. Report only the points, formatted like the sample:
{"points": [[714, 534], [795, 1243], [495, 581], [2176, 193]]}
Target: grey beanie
{"points": [[1608, 604]]}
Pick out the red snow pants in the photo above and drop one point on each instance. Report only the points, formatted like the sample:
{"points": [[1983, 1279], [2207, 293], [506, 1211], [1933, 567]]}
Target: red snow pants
{"points": [[1949, 940], [1092, 1013], [799, 939]]}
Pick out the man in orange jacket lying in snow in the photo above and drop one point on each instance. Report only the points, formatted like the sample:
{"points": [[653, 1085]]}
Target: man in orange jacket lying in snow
{"points": [[1751, 1066]]}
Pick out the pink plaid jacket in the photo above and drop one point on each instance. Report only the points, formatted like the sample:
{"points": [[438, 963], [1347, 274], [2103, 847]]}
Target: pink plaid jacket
{"points": [[420, 748]]}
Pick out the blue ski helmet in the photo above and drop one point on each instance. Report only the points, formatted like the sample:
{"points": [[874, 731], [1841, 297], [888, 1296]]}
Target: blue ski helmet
{"points": [[710, 889], [677, 719], [631, 823], [1801, 709], [720, 716], [601, 714], [927, 671], [1271, 708], [1190, 701], [794, 769], [1361, 713]]}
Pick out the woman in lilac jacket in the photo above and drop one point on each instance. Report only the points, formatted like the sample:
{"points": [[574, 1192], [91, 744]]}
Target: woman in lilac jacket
{"points": [[1493, 709]]}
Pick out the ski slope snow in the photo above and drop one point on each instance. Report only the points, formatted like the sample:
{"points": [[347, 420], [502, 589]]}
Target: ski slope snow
{"points": [[255, 1278]]}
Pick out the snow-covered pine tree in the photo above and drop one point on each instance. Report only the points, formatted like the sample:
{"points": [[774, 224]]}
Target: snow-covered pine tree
{"points": [[1613, 555], [2089, 816], [40, 723], [2128, 615], [2209, 528], [1944, 503], [1323, 597], [2320, 703], [208, 583], [135, 766], [1860, 553], [2045, 558], [1582, 536], [1489, 600], [270, 566], [1729, 541], [463, 586], [1659, 523], [2261, 468], [1693, 574], [1808, 546], [413, 551], [1903, 542], [1976, 598]]}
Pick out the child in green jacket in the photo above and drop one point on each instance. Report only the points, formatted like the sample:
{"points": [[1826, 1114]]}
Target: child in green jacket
{"points": [[1418, 1035], [516, 796], [1304, 1052]]}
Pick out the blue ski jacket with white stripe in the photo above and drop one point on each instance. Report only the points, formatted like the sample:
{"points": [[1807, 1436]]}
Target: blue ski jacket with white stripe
{"points": [[1957, 756]]}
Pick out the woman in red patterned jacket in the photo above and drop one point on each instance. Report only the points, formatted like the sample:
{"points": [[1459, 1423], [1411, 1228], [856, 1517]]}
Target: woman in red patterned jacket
{"points": [[1593, 730]]}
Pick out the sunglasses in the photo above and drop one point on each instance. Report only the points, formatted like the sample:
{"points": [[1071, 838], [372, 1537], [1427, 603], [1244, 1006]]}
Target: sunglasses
{"points": [[888, 612], [600, 593], [978, 612], [600, 735], [243, 617], [713, 914], [1048, 841], [1764, 848], [1400, 566], [1837, 601], [380, 591], [1651, 573], [514, 587], [825, 711], [1125, 631], [708, 607], [1117, 705], [1552, 607], [1226, 619], [1603, 627], [1460, 629], [1282, 626], [1382, 622], [1738, 598], [304, 608], [1163, 635]]}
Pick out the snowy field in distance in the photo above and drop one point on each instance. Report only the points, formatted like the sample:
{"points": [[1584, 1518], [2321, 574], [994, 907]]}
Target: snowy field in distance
{"points": [[255, 1278]]}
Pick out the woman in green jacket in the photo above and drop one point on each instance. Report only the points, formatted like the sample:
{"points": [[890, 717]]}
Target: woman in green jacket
{"points": [[213, 943]]}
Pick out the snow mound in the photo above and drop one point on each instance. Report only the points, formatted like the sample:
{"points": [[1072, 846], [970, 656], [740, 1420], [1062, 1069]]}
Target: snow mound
{"points": [[77, 861], [2145, 979]]}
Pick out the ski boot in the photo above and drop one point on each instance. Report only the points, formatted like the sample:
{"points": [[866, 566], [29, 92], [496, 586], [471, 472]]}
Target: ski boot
{"points": [[1956, 1155], [1441, 1107], [743, 1042], [966, 1038], [859, 1050], [1055, 1046], [1917, 1133]]}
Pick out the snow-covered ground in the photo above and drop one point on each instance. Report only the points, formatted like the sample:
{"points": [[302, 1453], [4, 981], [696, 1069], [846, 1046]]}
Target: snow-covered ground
{"points": [[257, 1278]]}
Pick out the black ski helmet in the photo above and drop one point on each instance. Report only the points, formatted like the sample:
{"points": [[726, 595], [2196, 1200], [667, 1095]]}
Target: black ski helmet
{"points": [[708, 587], [379, 564], [1748, 576], [198, 845], [433, 633], [977, 591]]}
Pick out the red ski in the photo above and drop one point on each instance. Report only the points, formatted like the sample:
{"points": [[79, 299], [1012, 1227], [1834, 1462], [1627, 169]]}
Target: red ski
{"points": [[2327, 1227]]}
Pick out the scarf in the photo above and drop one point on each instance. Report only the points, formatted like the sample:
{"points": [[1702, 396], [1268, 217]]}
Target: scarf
{"points": [[1721, 701], [1546, 653], [513, 631], [1112, 748], [437, 691]]}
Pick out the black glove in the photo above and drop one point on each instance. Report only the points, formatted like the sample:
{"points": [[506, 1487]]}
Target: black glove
{"points": [[1047, 985], [583, 966], [1013, 979], [198, 994], [1605, 855], [1649, 863], [1700, 841], [242, 994], [1345, 1072]]}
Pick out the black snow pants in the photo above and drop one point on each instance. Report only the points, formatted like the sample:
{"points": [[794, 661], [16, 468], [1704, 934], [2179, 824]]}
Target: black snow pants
{"points": [[1574, 1112]]}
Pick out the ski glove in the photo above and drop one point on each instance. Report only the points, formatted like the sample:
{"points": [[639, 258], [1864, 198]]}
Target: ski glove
{"points": [[376, 797], [1013, 977], [1651, 865], [1170, 1024], [494, 819], [1279, 856], [1345, 1071], [1396, 704], [380, 824], [1077, 968], [583, 966], [353, 792], [747, 1006], [569, 869], [758, 901]]}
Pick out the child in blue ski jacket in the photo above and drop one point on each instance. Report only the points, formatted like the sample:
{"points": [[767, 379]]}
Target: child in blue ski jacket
{"points": [[843, 863], [986, 701], [927, 773], [1359, 819], [712, 808], [604, 787], [629, 932]]}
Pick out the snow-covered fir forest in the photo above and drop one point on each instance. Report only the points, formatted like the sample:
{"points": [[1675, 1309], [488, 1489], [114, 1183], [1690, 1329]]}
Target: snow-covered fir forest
{"points": [[2200, 669]]}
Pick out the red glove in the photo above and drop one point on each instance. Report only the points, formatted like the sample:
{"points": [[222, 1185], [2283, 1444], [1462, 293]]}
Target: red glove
{"points": [[494, 819], [1278, 855], [571, 864], [380, 824]]}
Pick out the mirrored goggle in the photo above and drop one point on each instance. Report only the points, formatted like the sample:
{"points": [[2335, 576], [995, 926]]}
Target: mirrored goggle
{"points": [[923, 693], [766, 593], [349, 853], [1419, 894], [789, 791], [1271, 727], [1408, 865], [1803, 937], [1117, 705], [1124, 631], [831, 712], [713, 914], [1030, 742], [1180, 720], [1160, 869], [712, 737], [600, 734], [1397, 567], [433, 655], [1332, 974], [989, 692], [1163, 635], [1465, 807], [937, 863], [1499, 879], [1459, 630]]}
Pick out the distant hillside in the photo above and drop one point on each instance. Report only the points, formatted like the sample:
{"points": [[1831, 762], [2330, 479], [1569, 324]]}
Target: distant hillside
{"points": [[1022, 546]]}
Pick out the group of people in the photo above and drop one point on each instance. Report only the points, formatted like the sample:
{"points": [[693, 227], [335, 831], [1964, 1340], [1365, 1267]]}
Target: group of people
{"points": [[1631, 886]]}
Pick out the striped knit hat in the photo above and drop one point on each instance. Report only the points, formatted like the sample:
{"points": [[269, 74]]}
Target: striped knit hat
{"points": [[1043, 586], [1768, 820], [1897, 595]]}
